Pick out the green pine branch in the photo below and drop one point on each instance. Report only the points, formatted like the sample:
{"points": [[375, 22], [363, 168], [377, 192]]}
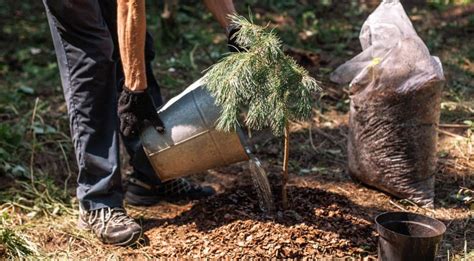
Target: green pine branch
{"points": [[265, 81]]}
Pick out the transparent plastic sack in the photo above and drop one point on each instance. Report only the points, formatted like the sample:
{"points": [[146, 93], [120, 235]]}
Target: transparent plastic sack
{"points": [[395, 90]]}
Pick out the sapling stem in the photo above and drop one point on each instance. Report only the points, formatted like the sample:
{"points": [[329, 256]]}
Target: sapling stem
{"points": [[286, 155]]}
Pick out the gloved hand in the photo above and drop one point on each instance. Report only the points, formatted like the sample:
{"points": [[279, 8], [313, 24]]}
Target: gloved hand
{"points": [[232, 44], [136, 110]]}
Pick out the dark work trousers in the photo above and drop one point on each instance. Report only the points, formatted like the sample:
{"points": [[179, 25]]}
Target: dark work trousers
{"points": [[85, 40]]}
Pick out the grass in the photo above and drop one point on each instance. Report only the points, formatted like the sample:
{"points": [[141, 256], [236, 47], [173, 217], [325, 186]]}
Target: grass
{"points": [[37, 162], [17, 245], [13, 242]]}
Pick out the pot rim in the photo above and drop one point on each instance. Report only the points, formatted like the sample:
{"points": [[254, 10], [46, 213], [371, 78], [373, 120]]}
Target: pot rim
{"points": [[381, 229]]}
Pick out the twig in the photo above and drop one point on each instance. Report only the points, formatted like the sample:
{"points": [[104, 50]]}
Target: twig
{"points": [[33, 143], [13, 108], [316, 148], [397, 205], [330, 138], [311, 137], [446, 125], [418, 207], [465, 243], [467, 189], [69, 173], [343, 190], [451, 134]]}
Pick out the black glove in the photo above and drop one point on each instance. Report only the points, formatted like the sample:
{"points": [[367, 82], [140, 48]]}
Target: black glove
{"points": [[136, 111], [232, 44]]}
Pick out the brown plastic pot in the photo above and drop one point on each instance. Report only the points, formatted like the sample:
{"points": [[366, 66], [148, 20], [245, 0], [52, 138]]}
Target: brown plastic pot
{"points": [[408, 236]]}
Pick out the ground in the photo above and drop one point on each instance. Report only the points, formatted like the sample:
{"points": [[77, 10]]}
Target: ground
{"points": [[330, 215]]}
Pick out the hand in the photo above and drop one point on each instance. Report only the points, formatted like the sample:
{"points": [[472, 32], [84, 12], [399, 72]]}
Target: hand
{"points": [[136, 110], [232, 44]]}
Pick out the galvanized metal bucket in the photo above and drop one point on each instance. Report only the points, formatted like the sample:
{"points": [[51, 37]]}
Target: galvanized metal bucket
{"points": [[191, 143]]}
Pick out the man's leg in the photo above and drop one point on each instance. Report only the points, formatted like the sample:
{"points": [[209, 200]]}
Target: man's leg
{"points": [[142, 167], [138, 158], [84, 50], [144, 186]]}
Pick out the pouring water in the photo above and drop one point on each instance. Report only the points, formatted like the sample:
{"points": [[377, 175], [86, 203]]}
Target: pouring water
{"points": [[262, 185]]}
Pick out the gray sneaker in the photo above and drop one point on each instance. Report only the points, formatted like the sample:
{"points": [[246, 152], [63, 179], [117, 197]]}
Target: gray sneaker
{"points": [[111, 225]]}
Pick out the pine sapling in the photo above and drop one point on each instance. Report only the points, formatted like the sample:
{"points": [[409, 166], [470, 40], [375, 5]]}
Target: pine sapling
{"points": [[270, 85]]}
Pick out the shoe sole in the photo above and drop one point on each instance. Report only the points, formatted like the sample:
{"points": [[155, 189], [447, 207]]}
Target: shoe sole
{"points": [[130, 241]]}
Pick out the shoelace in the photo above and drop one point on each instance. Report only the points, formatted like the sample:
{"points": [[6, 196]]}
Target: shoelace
{"points": [[101, 219]]}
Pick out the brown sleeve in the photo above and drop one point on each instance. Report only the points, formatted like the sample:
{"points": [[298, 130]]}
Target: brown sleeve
{"points": [[131, 25]]}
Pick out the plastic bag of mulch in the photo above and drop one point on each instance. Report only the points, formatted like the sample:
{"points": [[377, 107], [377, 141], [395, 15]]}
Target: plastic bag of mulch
{"points": [[395, 90]]}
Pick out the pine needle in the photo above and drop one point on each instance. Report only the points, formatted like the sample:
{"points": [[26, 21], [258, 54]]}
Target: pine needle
{"points": [[262, 79]]}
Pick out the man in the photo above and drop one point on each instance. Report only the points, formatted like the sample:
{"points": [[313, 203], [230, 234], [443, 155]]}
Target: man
{"points": [[85, 39]]}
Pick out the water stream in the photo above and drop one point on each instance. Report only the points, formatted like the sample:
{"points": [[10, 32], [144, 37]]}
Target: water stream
{"points": [[262, 185]]}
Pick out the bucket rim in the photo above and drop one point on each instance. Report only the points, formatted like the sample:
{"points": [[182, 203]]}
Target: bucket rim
{"points": [[381, 229]]}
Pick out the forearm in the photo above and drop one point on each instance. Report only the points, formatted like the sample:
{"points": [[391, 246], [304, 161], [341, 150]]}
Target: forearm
{"points": [[131, 24], [221, 9]]}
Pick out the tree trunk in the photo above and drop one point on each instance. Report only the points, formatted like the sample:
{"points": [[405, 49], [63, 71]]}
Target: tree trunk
{"points": [[284, 196]]}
